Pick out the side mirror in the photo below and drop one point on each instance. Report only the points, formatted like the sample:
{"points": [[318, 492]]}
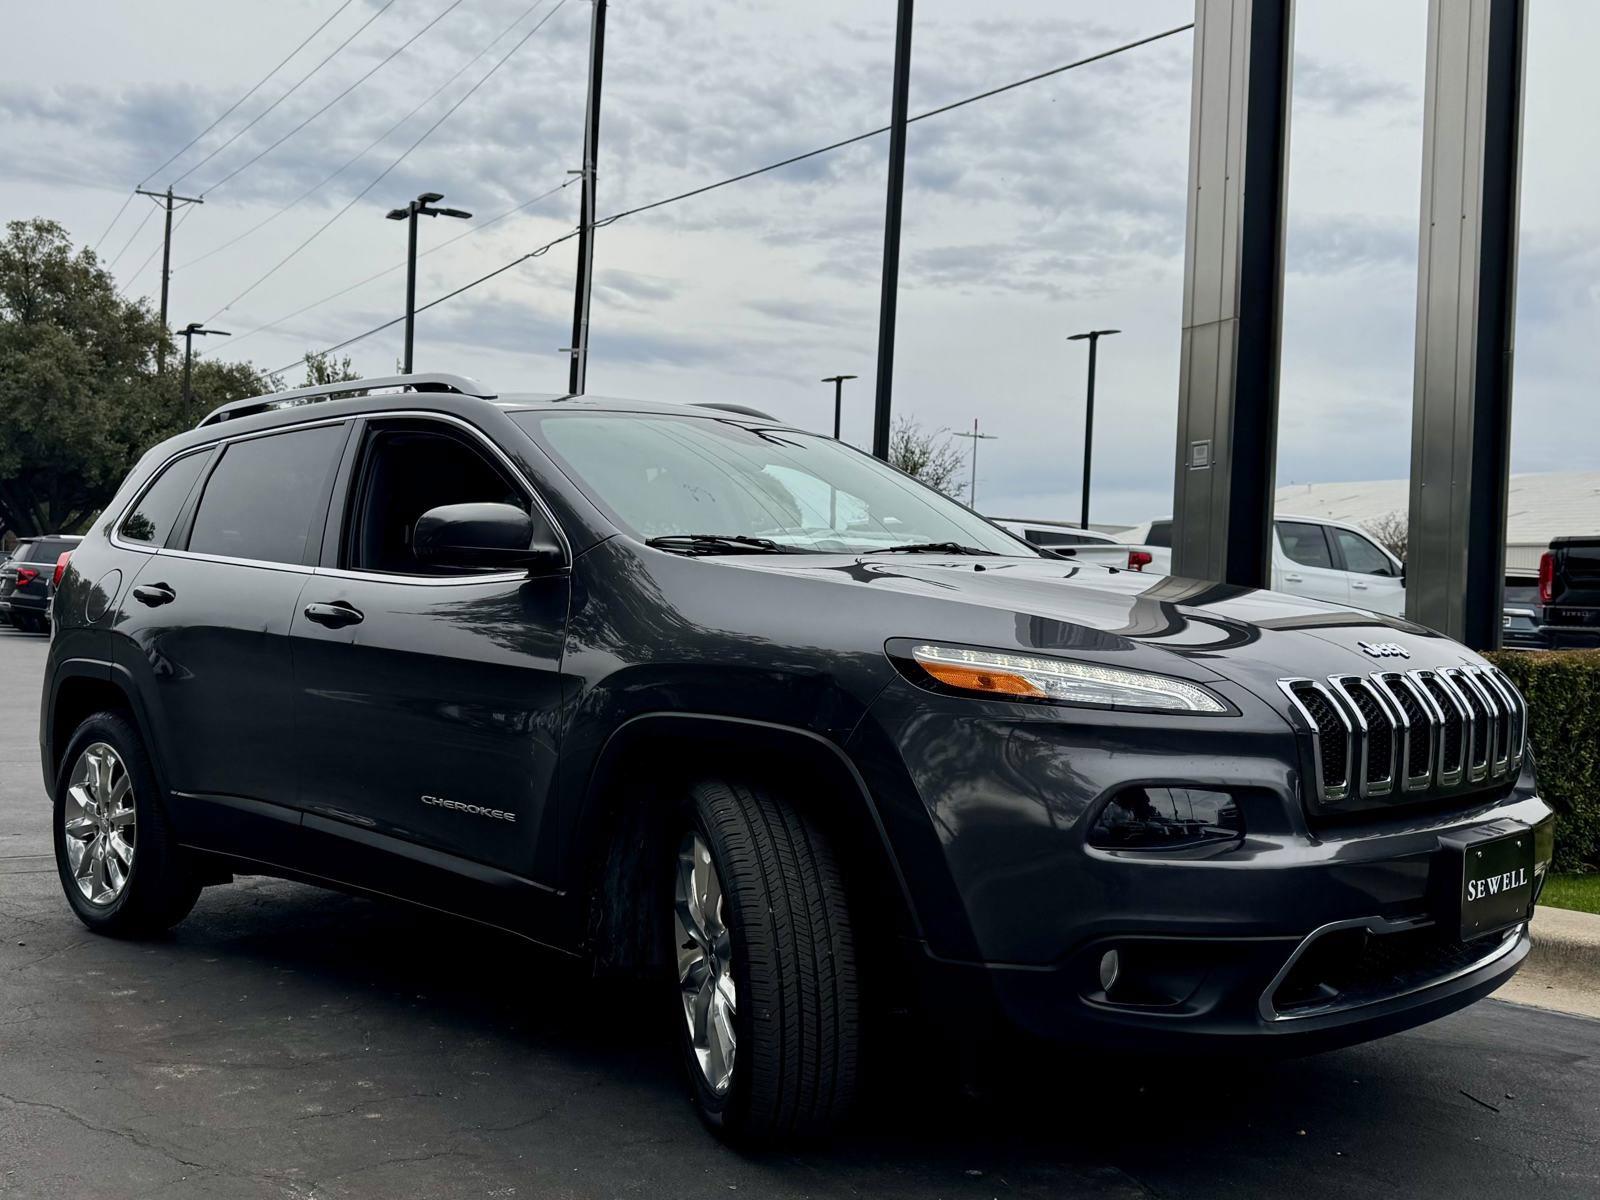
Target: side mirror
{"points": [[482, 535]]}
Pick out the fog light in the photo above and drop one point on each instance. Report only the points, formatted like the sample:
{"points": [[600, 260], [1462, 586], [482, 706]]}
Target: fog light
{"points": [[1110, 967]]}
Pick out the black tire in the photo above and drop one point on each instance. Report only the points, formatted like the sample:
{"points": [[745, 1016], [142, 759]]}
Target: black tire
{"points": [[160, 886], [797, 1017]]}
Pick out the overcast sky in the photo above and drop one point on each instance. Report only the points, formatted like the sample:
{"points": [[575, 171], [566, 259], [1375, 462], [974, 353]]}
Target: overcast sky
{"points": [[1046, 210]]}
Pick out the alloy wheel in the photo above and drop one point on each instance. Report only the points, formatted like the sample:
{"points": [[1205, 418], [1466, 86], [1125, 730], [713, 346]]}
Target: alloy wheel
{"points": [[99, 822], [705, 963]]}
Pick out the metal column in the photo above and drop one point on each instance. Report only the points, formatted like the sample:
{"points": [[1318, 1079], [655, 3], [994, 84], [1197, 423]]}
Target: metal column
{"points": [[890, 294], [578, 376], [1466, 289], [1232, 290]]}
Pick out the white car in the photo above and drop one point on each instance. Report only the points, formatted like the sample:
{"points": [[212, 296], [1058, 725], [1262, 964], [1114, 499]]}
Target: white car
{"points": [[1311, 556]]}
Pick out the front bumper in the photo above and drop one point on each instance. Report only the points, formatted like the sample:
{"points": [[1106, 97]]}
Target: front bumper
{"points": [[1304, 934], [1229, 1011]]}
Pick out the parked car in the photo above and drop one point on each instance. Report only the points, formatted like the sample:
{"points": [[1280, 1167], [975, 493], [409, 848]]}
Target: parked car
{"points": [[1521, 628], [1311, 556], [25, 580], [1078, 543], [691, 694], [1568, 613]]}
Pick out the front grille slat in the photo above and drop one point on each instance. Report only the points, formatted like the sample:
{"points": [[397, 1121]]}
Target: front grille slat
{"points": [[1392, 733]]}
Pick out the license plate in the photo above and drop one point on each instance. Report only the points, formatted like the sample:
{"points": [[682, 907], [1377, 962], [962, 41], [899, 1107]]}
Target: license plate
{"points": [[1493, 871]]}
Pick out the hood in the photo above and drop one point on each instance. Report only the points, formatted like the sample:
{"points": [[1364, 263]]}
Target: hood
{"points": [[1251, 636]]}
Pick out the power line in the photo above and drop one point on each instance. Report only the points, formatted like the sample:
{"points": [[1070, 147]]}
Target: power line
{"points": [[872, 133], [473, 231], [392, 55], [614, 217], [127, 200], [137, 229], [372, 145], [225, 114], [260, 83], [250, 124], [465, 96], [154, 250], [450, 295]]}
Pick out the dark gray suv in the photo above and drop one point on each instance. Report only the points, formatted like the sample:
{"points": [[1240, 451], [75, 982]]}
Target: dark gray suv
{"points": [[694, 695], [27, 577]]}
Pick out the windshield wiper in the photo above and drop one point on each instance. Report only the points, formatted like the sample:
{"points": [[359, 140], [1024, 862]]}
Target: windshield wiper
{"points": [[928, 548], [719, 543]]}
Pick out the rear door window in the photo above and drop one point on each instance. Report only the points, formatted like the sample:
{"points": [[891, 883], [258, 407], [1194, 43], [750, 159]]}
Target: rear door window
{"points": [[152, 517], [1160, 534], [265, 495], [1305, 544]]}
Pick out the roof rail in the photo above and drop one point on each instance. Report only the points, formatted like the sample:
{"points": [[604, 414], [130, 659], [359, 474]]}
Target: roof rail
{"points": [[459, 384], [742, 409]]}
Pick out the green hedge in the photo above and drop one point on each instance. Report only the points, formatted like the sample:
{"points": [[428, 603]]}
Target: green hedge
{"points": [[1563, 691]]}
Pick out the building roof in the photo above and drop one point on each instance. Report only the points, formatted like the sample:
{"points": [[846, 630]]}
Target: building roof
{"points": [[1541, 506]]}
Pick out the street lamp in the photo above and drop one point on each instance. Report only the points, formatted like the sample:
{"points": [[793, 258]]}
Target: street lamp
{"points": [[838, 399], [972, 492], [191, 331], [417, 208], [1093, 336]]}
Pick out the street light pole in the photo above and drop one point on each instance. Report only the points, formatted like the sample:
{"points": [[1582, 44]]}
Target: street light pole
{"points": [[1093, 336], [838, 399], [420, 207], [972, 490], [191, 331]]}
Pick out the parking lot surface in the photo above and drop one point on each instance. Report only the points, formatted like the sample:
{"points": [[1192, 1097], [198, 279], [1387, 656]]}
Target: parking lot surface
{"points": [[287, 1042]]}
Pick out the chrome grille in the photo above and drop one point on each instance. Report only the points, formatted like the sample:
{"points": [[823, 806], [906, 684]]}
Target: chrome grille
{"points": [[1397, 734]]}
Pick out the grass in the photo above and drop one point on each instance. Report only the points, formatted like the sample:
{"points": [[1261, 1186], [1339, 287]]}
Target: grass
{"points": [[1581, 892]]}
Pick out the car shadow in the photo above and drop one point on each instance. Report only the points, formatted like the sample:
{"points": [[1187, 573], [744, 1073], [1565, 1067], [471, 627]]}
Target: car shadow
{"points": [[1048, 1121]]}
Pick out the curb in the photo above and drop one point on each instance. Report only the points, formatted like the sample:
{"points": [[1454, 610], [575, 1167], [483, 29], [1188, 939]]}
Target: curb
{"points": [[1566, 944]]}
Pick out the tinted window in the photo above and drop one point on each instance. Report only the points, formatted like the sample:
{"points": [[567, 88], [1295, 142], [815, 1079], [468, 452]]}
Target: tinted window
{"points": [[260, 501], [151, 519], [1160, 534], [1361, 556], [404, 473], [1304, 544], [23, 553]]}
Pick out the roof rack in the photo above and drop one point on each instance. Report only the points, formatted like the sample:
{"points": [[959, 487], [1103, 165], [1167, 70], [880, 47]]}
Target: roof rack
{"points": [[459, 384], [742, 409]]}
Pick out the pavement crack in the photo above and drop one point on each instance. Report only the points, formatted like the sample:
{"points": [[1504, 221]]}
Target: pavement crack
{"points": [[126, 1135]]}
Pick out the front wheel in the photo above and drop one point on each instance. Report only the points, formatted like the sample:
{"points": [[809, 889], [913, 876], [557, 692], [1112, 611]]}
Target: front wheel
{"points": [[769, 1010]]}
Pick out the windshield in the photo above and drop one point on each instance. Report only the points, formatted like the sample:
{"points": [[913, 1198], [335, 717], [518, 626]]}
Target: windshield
{"points": [[658, 475]]}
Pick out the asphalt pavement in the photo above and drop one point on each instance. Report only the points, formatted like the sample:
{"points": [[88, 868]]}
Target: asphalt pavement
{"points": [[287, 1042]]}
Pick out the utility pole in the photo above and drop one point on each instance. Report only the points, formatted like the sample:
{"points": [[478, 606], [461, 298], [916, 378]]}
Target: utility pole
{"points": [[891, 231], [191, 331], [972, 491], [166, 258], [838, 399], [1093, 336], [577, 379], [422, 206]]}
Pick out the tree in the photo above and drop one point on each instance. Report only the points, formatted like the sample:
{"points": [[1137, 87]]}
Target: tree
{"points": [[1391, 531], [322, 368], [80, 399], [927, 456]]}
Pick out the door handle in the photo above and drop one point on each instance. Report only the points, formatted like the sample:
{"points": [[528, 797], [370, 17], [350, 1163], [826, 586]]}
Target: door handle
{"points": [[1359, 586], [154, 594], [335, 615], [1293, 579]]}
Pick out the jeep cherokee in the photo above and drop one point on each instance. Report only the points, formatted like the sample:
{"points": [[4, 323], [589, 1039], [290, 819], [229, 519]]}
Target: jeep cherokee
{"points": [[695, 695]]}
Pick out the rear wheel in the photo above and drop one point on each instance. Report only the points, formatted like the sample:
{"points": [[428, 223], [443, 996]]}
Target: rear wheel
{"points": [[121, 870], [768, 1005]]}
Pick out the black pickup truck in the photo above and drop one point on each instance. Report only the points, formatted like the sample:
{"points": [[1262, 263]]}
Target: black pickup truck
{"points": [[1569, 593]]}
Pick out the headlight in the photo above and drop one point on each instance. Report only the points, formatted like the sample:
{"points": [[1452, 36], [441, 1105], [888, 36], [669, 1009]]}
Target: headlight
{"points": [[998, 675]]}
